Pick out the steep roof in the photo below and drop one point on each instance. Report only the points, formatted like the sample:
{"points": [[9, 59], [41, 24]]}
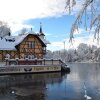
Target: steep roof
{"points": [[44, 40], [9, 42]]}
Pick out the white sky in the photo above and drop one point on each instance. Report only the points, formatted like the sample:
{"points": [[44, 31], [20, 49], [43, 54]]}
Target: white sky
{"points": [[15, 12], [19, 10]]}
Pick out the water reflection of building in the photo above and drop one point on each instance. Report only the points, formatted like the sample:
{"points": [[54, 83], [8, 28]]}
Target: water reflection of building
{"points": [[27, 87]]}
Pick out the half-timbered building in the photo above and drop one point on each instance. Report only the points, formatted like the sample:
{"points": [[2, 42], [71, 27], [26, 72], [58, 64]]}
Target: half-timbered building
{"points": [[28, 45]]}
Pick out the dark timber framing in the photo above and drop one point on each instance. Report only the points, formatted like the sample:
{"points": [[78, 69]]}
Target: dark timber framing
{"points": [[22, 48]]}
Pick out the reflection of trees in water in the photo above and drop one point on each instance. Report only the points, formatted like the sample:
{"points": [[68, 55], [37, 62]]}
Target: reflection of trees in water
{"points": [[29, 94], [28, 87], [3, 91], [32, 97], [29, 78]]}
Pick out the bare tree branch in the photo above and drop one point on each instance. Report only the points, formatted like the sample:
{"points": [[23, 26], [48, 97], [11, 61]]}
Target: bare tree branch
{"points": [[4, 29]]}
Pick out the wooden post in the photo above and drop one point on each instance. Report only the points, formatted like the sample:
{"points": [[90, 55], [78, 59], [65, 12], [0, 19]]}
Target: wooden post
{"points": [[17, 61], [6, 61], [36, 61], [44, 61], [52, 61], [2, 55]]}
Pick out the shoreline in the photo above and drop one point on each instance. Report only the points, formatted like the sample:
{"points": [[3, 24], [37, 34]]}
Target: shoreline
{"points": [[82, 62], [66, 62]]}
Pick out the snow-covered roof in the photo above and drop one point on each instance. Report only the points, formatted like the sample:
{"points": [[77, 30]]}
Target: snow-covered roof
{"points": [[44, 40], [9, 42]]}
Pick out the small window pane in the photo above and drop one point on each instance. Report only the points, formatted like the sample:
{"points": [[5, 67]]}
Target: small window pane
{"points": [[31, 44]]}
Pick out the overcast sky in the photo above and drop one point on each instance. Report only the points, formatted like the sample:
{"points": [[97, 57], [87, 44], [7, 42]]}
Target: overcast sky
{"points": [[56, 21]]}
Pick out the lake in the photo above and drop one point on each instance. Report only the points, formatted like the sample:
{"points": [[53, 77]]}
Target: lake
{"points": [[82, 83]]}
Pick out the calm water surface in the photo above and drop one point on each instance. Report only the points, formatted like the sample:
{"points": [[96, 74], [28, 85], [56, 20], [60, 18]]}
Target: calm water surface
{"points": [[83, 81]]}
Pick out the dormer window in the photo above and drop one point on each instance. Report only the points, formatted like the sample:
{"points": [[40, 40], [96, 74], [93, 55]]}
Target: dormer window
{"points": [[31, 44], [10, 40]]}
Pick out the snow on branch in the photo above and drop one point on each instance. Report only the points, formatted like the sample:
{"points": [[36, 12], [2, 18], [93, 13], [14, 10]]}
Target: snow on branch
{"points": [[78, 18], [96, 22], [70, 4], [97, 17]]}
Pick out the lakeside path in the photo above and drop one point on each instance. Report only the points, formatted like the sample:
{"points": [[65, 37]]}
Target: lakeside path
{"points": [[82, 62], [66, 62]]}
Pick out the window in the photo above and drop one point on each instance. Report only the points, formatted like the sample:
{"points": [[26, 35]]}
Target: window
{"points": [[31, 44], [29, 56]]}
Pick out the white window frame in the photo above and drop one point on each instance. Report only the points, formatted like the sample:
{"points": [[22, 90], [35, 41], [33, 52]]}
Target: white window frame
{"points": [[31, 44]]}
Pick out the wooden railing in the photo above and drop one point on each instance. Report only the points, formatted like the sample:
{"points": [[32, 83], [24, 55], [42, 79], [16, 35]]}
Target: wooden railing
{"points": [[33, 62]]}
